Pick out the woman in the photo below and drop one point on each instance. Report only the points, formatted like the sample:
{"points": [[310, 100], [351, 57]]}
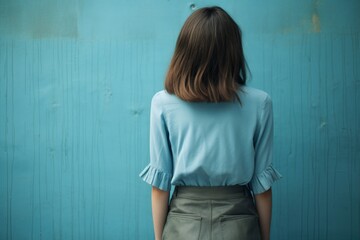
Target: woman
{"points": [[211, 137]]}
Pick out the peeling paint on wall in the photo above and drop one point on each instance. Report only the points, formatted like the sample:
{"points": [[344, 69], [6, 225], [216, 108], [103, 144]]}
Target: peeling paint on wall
{"points": [[315, 23], [315, 19], [39, 19]]}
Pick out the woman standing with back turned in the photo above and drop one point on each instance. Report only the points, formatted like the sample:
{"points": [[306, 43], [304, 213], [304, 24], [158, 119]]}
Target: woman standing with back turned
{"points": [[211, 137]]}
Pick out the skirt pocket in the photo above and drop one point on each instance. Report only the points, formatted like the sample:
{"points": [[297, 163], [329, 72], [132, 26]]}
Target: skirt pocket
{"points": [[182, 226], [238, 227]]}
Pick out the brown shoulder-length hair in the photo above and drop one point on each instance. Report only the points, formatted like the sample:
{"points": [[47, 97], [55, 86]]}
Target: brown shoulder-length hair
{"points": [[208, 64]]}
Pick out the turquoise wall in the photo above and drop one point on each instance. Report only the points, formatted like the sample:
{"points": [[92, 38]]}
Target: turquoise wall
{"points": [[76, 80]]}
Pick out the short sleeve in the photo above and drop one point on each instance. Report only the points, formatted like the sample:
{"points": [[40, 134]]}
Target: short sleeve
{"points": [[159, 171], [264, 173]]}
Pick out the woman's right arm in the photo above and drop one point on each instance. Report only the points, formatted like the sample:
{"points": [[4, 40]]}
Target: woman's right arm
{"points": [[159, 202], [264, 206]]}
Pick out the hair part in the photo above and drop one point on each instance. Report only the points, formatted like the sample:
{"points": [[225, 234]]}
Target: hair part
{"points": [[208, 64]]}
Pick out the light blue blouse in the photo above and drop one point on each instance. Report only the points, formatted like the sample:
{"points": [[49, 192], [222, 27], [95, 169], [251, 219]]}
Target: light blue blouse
{"points": [[211, 144]]}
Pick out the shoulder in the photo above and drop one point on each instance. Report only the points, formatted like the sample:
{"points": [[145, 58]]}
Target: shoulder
{"points": [[254, 95], [158, 96], [162, 98]]}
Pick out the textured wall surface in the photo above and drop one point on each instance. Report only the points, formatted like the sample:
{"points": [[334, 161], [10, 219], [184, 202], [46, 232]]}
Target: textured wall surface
{"points": [[76, 80]]}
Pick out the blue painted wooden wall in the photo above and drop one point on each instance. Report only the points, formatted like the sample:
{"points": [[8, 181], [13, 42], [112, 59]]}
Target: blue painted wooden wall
{"points": [[76, 80]]}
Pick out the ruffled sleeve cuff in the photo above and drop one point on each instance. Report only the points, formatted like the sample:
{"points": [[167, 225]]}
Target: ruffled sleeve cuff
{"points": [[263, 181], [156, 178]]}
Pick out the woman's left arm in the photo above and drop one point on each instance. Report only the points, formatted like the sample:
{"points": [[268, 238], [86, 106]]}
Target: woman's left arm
{"points": [[160, 204], [264, 206]]}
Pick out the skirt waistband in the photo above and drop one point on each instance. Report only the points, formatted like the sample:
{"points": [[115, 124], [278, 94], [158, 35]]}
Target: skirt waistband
{"points": [[216, 193]]}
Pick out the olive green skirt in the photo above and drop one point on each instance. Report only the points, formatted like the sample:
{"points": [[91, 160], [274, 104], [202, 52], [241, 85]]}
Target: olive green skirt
{"points": [[212, 213]]}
